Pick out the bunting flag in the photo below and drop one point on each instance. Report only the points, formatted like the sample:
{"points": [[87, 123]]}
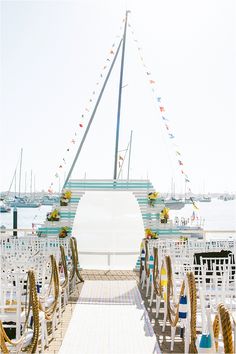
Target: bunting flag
{"points": [[162, 109], [121, 158], [107, 63]]}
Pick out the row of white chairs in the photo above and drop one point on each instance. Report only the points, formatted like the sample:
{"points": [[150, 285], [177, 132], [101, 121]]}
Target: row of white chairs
{"points": [[214, 277], [13, 274]]}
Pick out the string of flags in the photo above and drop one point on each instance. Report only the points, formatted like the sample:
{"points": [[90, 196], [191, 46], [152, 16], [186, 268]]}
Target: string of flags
{"points": [[83, 119], [162, 109]]}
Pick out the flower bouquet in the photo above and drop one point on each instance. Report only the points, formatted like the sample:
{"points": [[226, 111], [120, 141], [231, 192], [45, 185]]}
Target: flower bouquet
{"points": [[65, 198], [63, 232], [164, 215], [150, 234], [54, 215], [152, 197]]}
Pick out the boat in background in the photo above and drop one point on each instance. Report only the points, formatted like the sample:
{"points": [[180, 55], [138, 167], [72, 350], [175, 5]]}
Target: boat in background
{"points": [[4, 208], [174, 204], [50, 199], [204, 198], [24, 202]]}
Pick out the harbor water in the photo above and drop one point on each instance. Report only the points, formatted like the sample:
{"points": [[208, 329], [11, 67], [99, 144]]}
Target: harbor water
{"points": [[216, 215]]}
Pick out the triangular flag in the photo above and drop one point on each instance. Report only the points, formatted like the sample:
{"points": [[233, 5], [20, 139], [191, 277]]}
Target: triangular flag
{"points": [[81, 125]]}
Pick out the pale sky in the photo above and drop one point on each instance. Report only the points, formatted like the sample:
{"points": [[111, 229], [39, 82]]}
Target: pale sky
{"points": [[52, 56]]}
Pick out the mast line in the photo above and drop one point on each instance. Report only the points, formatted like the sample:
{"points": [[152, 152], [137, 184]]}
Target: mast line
{"points": [[130, 144], [20, 171], [119, 98], [92, 116]]}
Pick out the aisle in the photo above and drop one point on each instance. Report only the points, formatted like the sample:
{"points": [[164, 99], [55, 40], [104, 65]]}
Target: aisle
{"points": [[109, 318]]}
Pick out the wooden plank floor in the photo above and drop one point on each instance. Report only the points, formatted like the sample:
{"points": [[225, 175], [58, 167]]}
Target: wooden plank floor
{"points": [[163, 338]]}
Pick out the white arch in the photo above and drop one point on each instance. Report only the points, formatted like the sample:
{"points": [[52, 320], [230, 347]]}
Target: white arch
{"points": [[108, 222]]}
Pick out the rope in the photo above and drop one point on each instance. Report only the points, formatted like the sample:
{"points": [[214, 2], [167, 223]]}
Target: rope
{"points": [[64, 265], [170, 309], [193, 310], [49, 311], [173, 316], [33, 302], [226, 328], [156, 284], [146, 259], [216, 329], [75, 260]]}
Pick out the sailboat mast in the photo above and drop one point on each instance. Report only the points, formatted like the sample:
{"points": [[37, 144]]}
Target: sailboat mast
{"points": [[21, 152], [130, 144], [119, 98]]}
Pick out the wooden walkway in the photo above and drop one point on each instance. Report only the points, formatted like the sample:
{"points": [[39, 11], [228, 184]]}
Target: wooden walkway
{"points": [[99, 313]]}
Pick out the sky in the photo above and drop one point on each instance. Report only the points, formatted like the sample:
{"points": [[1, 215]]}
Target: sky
{"points": [[53, 54]]}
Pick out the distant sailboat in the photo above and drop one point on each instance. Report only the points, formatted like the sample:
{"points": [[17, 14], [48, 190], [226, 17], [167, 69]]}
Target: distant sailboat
{"points": [[25, 201]]}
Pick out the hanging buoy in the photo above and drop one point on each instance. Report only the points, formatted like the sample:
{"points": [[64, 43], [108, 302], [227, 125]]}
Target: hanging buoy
{"points": [[205, 345], [183, 307], [163, 277], [151, 266], [143, 257]]}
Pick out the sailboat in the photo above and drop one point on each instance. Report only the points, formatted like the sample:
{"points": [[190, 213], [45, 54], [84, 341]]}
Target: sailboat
{"points": [[22, 201], [173, 203]]}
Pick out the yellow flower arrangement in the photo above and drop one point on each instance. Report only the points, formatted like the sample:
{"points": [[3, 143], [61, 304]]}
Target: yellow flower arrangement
{"points": [[164, 215], [67, 194], [63, 231], [54, 215], [65, 198], [152, 196], [150, 234]]}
